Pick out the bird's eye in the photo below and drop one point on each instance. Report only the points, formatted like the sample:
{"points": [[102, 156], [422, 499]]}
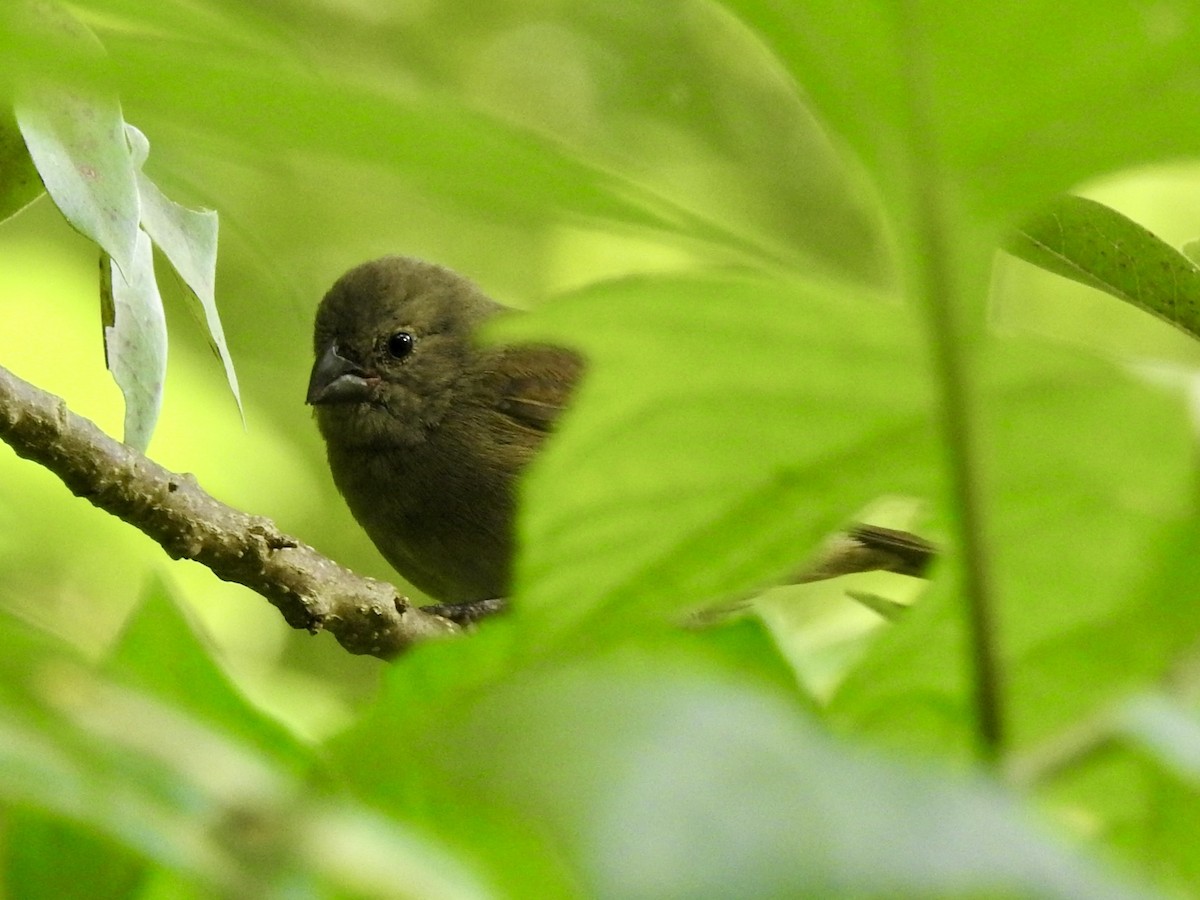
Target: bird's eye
{"points": [[400, 344]]}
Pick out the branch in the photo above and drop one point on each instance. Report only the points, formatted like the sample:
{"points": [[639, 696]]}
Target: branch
{"points": [[859, 548], [312, 591], [868, 548]]}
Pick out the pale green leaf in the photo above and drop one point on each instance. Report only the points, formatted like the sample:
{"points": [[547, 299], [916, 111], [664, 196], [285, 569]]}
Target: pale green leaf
{"points": [[714, 787], [135, 340], [1167, 728], [188, 238], [77, 140]]}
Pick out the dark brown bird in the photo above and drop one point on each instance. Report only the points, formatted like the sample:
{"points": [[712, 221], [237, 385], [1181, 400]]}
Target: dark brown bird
{"points": [[428, 430]]}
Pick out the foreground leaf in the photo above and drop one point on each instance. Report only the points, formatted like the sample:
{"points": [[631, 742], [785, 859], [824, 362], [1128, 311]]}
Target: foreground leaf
{"points": [[661, 775], [167, 656], [1001, 137], [138, 787], [725, 424], [47, 857]]}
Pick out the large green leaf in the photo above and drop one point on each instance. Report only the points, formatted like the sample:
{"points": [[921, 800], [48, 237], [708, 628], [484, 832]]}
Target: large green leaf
{"points": [[50, 858], [163, 654], [765, 414], [136, 783], [784, 197]]}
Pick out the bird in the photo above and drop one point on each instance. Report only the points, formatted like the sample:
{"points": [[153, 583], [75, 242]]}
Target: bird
{"points": [[428, 430]]}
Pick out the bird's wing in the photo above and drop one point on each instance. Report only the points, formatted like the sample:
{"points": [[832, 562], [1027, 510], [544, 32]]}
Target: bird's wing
{"points": [[534, 384]]}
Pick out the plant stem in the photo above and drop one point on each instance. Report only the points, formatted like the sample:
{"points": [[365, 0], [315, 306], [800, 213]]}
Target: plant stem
{"points": [[935, 284]]}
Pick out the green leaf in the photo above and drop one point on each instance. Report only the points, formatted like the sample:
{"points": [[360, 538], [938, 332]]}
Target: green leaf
{"points": [[886, 608], [135, 339], [726, 423], [188, 238], [1090, 243], [51, 858], [163, 654], [76, 137], [19, 182]]}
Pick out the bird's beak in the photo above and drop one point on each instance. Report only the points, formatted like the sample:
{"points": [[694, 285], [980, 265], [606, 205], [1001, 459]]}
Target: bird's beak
{"points": [[336, 379]]}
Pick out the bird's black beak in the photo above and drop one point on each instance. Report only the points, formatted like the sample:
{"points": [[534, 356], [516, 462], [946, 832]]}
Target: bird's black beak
{"points": [[336, 379]]}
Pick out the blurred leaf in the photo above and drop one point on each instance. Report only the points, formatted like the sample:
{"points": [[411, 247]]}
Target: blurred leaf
{"points": [[1166, 728], [1002, 137], [54, 859], [765, 413], [188, 238], [713, 125], [126, 776], [715, 787], [77, 140], [219, 21], [701, 467], [381, 757], [445, 146], [19, 182], [160, 653], [163, 884], [135, 339], [1090, 243], [449, 148]]}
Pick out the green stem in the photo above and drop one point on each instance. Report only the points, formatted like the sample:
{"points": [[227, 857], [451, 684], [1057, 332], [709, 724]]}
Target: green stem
{"points": [[942, 297]]}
